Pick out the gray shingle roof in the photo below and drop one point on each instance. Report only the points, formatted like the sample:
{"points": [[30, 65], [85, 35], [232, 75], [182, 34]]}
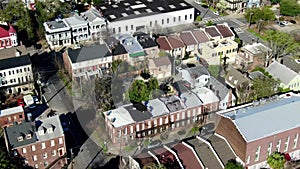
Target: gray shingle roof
{"points": [[75, 20], [291, 63], [284, 113], [281, 72], [14, 62], [138, 112], [89, 53], [218, 86]]}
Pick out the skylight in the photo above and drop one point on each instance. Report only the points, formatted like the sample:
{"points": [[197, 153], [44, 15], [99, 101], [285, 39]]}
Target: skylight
{"points": [[124, 14], [126, 4], [183, 4], [160, 8], [136, 12], [172, 6], [115, 6], [138, 6], [103, 7], [149, 10], [138, 2], [112, 16]]}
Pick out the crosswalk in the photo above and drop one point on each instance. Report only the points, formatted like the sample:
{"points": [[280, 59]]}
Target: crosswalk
{"points": [[212, 19], [237, 22]]}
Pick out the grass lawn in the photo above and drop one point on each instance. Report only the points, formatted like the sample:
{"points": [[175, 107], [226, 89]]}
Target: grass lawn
{"points": [[257, 34]]}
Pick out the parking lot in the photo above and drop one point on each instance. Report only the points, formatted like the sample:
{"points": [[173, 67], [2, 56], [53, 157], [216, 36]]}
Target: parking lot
{"points": [[290, 28]]}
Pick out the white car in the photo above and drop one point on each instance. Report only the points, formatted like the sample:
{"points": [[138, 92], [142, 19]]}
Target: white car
{"points": [[285, 22], [216, 13]]}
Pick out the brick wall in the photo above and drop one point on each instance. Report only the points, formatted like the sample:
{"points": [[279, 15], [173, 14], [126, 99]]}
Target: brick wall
{"points": [[10, 119]]}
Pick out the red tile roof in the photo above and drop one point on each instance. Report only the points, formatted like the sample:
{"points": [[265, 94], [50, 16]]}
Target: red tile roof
{"points": [[12, 29], [200, 36], [3, 31], [212, 31], [188, 38], [175, 41], [224, 30], [189, 160], [163, 43]]}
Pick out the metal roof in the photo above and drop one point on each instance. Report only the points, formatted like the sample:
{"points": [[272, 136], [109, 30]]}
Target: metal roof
{"points": [[281, 72]]}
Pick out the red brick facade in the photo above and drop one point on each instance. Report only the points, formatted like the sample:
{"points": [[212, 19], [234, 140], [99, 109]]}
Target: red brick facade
{"points": [[8, 120], [38, 155]]}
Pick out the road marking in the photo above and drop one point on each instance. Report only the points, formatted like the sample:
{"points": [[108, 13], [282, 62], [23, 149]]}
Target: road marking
{"points": [[237, 22]]}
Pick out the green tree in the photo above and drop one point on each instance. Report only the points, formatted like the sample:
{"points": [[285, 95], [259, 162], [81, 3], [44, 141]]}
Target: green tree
{"points": [[153, 84], [264, 86], [281, 43], [198, 18], [260, 16], [138, 91], [103, 93], [276, 160], [289, 7], [16, 13], [115, 64], [154, 166], [233, 164], [209, 23], [222, 5]]}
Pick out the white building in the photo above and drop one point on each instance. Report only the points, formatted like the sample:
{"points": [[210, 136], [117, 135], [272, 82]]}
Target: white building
{"points": [[58, 33], [96, 22], [145, 15], [16, 74], [79, 28]]}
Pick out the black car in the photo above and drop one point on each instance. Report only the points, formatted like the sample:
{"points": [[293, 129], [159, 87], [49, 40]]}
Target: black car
{"points": [[293, 22]]}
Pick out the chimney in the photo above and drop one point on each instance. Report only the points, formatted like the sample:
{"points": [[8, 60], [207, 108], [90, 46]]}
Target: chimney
{"points": [[17, 53]]}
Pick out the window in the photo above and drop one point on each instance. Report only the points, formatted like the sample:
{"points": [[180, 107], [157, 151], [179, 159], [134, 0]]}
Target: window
{"points": [[17, 70], [126, 27], [155, 22], [9, 119], [168, 20], [20, 70], [150, 23], [9, 72], [43, 145], [162, 21], [131, 27], [278, 145], [185, 17], [179, 17], [60, 140], [33, 148], [286, 144], [34, 158], [52, 143], [270, 148], [45, 163], [174, 19], [53, 153], [295, 141], [20, 116], [119, 29], [191, 16], [45, 155], [257, 153], [114, 31], [28, 136], [24, 150], [20, 138]]}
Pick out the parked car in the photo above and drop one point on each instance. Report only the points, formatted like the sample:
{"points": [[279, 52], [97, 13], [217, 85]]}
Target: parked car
{"points": [[216, 13], [35, 99], [285, 22], [293, 22], [20, 102], [280, 24]]}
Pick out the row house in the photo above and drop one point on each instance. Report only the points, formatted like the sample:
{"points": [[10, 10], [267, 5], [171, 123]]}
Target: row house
{"points": [[146, 15], [41, 144], [161, 67], [253, 143], [16, 74], [8, 36], [75, 29], [171, 44], [79, 28], [117, 49], [87, 62], [10, 116], [152, 117]]}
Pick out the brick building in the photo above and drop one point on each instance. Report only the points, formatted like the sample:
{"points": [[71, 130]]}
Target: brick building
{"points": [[11, 115], [8, 37], [257, 129], [40, 143]]}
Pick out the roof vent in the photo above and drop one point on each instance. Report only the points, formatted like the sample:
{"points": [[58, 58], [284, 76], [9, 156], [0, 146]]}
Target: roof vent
{"points": [[150, 108], [113, 119], [108, 113]]}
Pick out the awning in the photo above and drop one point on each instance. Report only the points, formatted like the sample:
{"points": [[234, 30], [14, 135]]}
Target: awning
{"points": [[142, 53]]}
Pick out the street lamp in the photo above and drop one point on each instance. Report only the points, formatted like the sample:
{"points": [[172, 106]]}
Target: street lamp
{"points": [[250, 19]]}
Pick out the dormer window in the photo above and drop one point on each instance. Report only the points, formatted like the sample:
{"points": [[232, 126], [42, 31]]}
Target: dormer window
{"points": [[20, 138], [41, 132], [28, 136], [50, 130]]}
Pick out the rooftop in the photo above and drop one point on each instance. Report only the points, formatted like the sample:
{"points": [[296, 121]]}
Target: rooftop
{"points": [[56, 25], [224, 30], [87, 53], [157, 108], [236, 78], [190, 100], [212, 31], [138, 112], [200, 36], [292, 63], [14, 62], [119, 117], [9, 111], [175, 41], [92, 14], [76, 20], [256, 74], [130, 44], [163, 43], [206, 95], [219, 87], [11, 52], [133, 9], [256, 48], [161, 61], [284, 113], [41, 130], [173, 103], [281, 72], [145, 40], [188, 38], [116, 47]]}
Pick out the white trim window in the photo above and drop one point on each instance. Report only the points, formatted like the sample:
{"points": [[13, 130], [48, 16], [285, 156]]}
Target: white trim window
{"points": [[33, 148], [257, 153], [295, 141], [24, 150], [60, 140], [43, 145], [52, 143], [270, 148], [286, 144], [278, 145]]}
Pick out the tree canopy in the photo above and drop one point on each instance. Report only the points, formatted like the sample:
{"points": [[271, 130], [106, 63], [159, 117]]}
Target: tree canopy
{"points": [[141, 91], [281, 43], [276, 160], [233, 164], [260, 16], [17, 14], [289, 7]]}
